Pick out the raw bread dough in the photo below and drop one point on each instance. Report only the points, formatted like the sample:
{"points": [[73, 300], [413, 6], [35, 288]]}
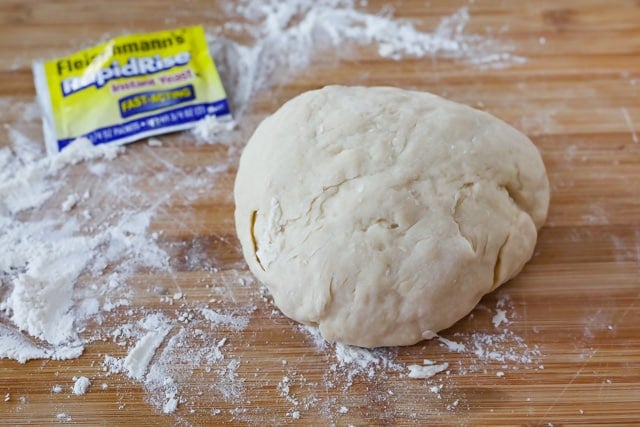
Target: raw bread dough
{"points": [[383, 215]]}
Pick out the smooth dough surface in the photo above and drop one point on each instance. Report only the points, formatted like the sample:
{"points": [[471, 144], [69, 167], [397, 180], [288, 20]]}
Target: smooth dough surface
{"points": [[383, 215]]}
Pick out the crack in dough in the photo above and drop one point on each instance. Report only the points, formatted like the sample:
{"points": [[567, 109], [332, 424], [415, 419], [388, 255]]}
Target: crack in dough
{"points": [[253, 238], [461, 195], [496, 267]]}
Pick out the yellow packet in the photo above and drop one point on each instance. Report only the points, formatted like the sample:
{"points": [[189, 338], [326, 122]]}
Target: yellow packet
{"points": [[129, 88]]}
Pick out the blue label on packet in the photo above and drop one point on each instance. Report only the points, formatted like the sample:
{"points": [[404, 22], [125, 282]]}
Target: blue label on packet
{"points": [[154, 100], [165, 120]]}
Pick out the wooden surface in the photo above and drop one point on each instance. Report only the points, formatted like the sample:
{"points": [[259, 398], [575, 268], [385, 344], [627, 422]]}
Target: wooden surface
{"points": [[577, 302]]}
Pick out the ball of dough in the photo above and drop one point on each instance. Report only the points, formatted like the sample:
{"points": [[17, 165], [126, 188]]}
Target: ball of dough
{"points": [[383, 215]]}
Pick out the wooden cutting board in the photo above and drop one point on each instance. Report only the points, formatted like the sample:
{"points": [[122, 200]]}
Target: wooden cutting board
{"points": [[573, 314]]}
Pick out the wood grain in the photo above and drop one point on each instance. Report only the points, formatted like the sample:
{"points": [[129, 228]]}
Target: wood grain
{"points": [[577, 301]]}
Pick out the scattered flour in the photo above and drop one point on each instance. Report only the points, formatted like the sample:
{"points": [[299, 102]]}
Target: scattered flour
{"points": [[188, 350], [81, 385], [499, 318], [426, 371], [452, 345], [64, 417], [359, 359], [353, 361], [70, 202], [45, 258], [207, 128], [15, 345], [41, 301], [316, 337], [237, 323], [356, 360], [283, 388], [137, 361], [286, 36], [504, 347], [171, 404]]}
